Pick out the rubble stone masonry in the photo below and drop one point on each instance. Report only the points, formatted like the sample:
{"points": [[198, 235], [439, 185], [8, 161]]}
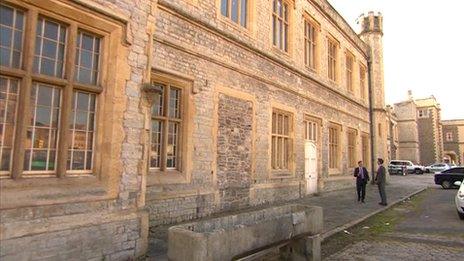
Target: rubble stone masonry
{"points": [[232, 78]]}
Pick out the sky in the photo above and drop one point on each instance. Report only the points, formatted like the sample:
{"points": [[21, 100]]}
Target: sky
{"points": [[423, 48]]}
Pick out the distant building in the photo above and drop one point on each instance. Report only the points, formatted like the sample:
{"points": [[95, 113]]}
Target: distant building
{"points": [[392, 134], [453, 141], [420, 130], [430, 130], [408, 137]]}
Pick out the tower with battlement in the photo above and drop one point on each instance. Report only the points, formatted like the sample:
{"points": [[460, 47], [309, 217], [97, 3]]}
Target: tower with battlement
{"points": [[372, 33]]}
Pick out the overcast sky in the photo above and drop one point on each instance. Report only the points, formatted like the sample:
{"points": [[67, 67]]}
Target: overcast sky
{"points": [[423, 48]]}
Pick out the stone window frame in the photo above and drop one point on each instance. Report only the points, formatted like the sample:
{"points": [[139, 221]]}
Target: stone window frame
{"points": [[181, 175], [249, 30], [333, 59], [309, 21], [290, 6], [291, 113], [239, 11], [335, 142], [449, 136], [349, 71], [351, 145], [362, 81], [423, 113], [63, 187], [105, 29]]}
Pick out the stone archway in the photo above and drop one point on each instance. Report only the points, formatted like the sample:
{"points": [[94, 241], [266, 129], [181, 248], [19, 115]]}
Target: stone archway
{"points": [[450, 157]]}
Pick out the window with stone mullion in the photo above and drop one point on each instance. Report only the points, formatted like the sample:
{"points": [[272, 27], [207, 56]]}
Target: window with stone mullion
{"points": [[166, 128], [280, 141], [349, 72], [11, 41], [310, 45], [280, 24], [48, 126], [235, 10]]}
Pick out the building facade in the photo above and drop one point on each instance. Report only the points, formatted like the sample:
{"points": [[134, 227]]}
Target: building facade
{"points": [[408, 134], [421, 129], [453, 141], [392, 137], [121, 116]]}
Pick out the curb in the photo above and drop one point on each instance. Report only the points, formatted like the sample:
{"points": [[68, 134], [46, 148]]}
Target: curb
{"points": [[359, 220]]}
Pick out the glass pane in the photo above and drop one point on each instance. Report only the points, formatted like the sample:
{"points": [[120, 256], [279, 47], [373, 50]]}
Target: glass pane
{"points": [[234, 10], [51, 160], [6, 15], [243, 13], [5, 55], [42, 137], [81, 131], [50, 45], [171, 150], [9, 90], [224, 7], [156, 140], [11, 30], [78, 160], [87, 58], [5, 159], [39, 160], [89, 160], [6, 36], [158, 103], [43, 116], [174, 103], [274, 30], [274, 123]]}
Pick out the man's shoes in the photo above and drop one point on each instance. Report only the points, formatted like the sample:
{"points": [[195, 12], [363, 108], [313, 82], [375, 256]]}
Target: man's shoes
{"points": [[363, 201], [382, 204]]}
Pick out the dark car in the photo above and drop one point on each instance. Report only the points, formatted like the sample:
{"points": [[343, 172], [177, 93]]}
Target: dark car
{"points": [[447, 178]]}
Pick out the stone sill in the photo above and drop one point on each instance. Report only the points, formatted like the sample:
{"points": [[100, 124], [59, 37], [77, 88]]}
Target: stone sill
{"points": [[157, 177], [31, 192]]}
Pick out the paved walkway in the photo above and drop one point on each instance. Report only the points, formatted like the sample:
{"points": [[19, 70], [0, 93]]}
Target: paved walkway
{"points": [[339, 207], [429, 230]]}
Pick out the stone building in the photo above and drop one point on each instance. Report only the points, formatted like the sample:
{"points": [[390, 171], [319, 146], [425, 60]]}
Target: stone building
{"points": [[453, 141], [420, 130], [430, 130], [123, 114], [392, 137], [408, 135]]}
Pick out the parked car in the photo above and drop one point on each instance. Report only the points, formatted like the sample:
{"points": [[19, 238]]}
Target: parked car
{"points": [[404, 167], [437, 167], [460, 199], [447, 178]]}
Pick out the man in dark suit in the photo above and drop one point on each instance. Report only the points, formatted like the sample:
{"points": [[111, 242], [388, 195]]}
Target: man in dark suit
{"points": [[362, 177], [380, 180]]}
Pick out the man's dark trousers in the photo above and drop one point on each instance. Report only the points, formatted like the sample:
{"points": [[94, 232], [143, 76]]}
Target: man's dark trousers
{"points": [[361, 189], [381, 181], [362, 177]]}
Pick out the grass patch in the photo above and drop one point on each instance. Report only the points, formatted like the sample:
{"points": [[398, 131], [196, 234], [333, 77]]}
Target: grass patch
{"points": [[374, 227]]}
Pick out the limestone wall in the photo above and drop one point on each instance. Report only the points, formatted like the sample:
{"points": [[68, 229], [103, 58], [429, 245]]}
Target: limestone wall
{"points": [[96, 216], [238, 78]]}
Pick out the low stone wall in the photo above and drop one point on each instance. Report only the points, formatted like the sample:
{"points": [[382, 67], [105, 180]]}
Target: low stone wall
{"points": [[332, 184], [118, 236], [175, 210], [230, 236]]}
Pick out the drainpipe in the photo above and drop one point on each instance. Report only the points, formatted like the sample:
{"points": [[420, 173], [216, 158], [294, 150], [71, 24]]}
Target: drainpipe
{"points": [[371, 115]]}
